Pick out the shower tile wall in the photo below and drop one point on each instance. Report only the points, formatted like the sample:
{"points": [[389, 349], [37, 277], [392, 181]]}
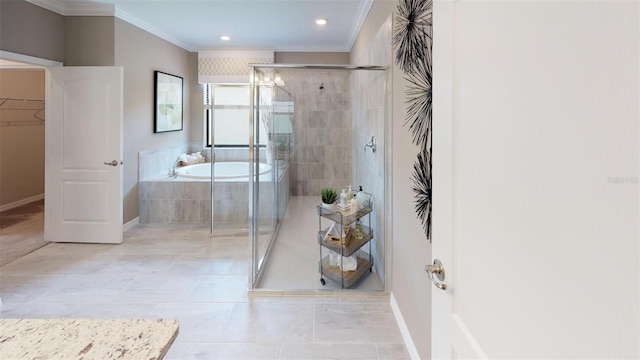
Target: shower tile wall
{"points": [[368, 104], [322, 130]]}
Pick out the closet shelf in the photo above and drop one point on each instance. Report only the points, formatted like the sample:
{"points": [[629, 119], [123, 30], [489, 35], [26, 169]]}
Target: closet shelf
{"points": [[21, 111]]}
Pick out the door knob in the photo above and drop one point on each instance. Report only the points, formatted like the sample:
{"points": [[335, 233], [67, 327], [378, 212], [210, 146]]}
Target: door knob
{"points": [[112, 163], [436, 274]]}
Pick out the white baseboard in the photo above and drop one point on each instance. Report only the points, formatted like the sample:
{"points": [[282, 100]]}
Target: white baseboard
{"points": [[404, 330], [15, 204], [131, 224]]}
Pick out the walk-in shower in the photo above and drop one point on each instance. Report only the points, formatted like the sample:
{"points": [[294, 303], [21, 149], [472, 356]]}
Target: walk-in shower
{"points": [[318, 119]]}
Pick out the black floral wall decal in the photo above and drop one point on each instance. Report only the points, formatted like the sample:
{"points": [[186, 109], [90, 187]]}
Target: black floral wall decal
{"points": [[412, 41], [422, 187], [412, 29], [419, 111]]}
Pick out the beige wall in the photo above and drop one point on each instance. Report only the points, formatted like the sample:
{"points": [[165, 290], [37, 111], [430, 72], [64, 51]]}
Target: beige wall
{"points": [[196, 132], [89, 41], [31, 30], [311, 58], [141, 53], [410, 249], [21, 146], [107, 41], [378, 14]]}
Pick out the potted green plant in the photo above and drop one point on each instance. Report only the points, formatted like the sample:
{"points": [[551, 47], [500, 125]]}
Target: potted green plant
{"points": [[329, 197]]}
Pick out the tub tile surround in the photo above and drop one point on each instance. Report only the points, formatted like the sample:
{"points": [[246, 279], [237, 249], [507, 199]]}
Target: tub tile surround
{"points": [[166, 200]]}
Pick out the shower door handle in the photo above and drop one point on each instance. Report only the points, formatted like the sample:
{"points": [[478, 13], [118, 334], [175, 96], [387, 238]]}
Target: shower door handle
{"points": [[112, 163]]}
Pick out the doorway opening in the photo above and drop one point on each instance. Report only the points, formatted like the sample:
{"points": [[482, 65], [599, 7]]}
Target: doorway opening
{"points": [[22, 154]]}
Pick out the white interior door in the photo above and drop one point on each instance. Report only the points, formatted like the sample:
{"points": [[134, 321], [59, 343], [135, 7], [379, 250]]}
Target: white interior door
{"points": [[83, 154], [536, 166]]}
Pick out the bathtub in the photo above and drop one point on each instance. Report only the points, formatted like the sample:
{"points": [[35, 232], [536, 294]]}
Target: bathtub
{"points": [[222, 170]]}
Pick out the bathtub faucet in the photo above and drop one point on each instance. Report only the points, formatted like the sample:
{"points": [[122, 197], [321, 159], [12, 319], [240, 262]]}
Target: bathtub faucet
{"points": [[172, 172]]}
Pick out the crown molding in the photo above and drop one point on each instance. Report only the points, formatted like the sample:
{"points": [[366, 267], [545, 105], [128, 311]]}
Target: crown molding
{"points": [[361, 16], [52, 5], [125, 16], [312, 49], [95, 9], [76, 8], [89, 9], [276, 49]]}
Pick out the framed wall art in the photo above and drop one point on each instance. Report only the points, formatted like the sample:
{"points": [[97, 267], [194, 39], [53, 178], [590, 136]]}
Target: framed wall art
{"points": [[168, 95]]}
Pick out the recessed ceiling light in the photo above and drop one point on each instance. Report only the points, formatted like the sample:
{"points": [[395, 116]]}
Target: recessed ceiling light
{"points": [[321, 21], [225, 38]]}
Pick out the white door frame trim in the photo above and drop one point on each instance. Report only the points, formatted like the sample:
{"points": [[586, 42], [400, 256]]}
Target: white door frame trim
{"points": [[7, 55]]}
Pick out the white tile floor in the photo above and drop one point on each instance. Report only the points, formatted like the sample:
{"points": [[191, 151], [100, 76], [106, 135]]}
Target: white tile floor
{"points": [[180, 272]]}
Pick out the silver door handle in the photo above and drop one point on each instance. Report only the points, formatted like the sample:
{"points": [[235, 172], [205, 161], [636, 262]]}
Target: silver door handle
{"points": [[112, 163], [436, 271]]}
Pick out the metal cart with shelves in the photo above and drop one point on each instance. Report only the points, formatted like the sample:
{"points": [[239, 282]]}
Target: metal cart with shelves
{"points": [[345, 245]]}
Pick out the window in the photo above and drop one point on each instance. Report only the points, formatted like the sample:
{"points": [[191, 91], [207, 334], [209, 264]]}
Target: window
{"points": [[226, 111]]}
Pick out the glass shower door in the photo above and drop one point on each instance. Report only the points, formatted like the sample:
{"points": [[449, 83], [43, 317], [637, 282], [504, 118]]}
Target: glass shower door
{"points": [[263, 220]]}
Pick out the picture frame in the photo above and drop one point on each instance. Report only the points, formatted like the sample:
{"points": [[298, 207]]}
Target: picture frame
{"points": [[168, 102]]}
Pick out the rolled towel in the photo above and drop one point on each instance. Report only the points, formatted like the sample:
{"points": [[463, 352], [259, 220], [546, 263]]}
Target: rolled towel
{"points": [[183, 157], [348, 263]]}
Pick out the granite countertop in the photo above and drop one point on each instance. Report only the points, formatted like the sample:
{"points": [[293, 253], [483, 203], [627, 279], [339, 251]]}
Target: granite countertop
{"points": [[86, 338]]}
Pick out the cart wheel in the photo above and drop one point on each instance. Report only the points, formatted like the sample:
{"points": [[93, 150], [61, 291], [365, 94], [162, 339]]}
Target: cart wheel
{"points": [[322, 281]]}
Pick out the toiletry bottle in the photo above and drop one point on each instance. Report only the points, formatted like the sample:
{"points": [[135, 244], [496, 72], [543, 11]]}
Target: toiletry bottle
{"points": [[359, 233], [349, 193], [361, 197], [343, 198], [353, 203]]}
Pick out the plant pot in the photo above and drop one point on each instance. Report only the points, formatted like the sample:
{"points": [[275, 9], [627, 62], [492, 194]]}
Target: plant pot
{"points": [[331, 207]]}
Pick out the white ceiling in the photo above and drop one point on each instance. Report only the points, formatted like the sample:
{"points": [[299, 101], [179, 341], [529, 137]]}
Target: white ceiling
{"points": [[279, 25]]}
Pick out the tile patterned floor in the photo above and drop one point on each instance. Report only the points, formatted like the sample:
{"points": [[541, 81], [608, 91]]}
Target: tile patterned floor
{"points": [[180, 272]]}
